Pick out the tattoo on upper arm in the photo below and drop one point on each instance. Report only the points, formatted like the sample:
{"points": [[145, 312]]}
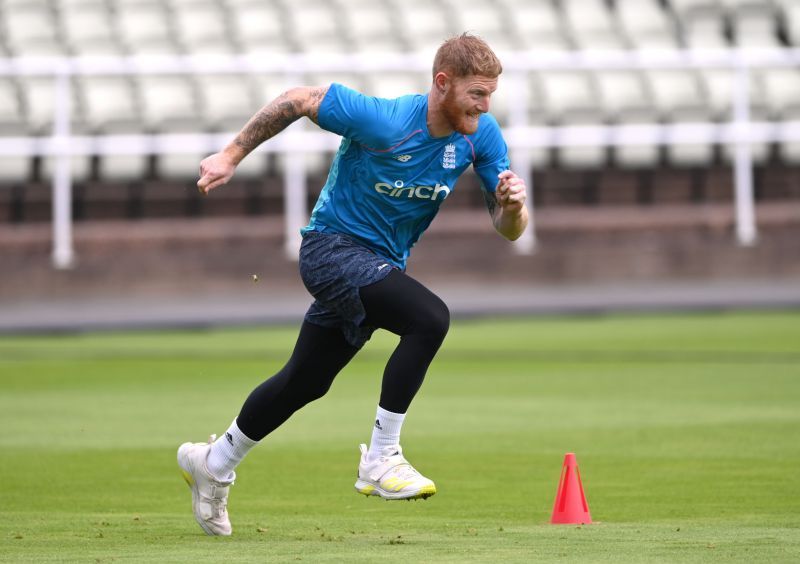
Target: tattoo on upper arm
{"points": [[268, 122], [491, 201], [278, 115]]}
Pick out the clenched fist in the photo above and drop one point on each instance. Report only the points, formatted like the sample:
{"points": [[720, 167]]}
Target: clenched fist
{"points": [[510, 192], [215, 170]]}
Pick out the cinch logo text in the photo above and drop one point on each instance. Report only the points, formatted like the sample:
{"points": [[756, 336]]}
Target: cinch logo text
{"points": [[398, 190]]}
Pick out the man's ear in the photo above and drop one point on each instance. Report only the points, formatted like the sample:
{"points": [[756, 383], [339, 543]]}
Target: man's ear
{"points": [[442, 82]]}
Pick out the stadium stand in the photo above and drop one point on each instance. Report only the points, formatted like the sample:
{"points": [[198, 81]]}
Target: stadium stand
{"points": [[136, 185]]}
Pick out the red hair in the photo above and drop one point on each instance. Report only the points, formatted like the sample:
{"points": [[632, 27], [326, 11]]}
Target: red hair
{"points": [[465, 55]]}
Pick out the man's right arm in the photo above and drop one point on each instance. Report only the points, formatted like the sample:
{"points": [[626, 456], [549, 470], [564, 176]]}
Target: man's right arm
{"points": [[273, 118]]}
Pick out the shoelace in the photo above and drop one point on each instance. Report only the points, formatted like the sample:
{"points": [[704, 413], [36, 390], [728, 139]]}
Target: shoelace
{"points": [[218, 504], [404, 471]]}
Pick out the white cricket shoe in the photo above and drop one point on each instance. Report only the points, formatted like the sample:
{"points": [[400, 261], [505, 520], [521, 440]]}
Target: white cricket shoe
{"points": [[209, 495], [391, 476]]}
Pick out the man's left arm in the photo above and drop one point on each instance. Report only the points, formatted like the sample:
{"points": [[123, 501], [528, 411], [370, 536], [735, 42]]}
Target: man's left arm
{"points": [[507, 205]]}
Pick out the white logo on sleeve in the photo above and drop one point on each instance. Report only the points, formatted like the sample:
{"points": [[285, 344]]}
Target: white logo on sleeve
{"points": [[381, 267], [449, 157], [403, 158]]}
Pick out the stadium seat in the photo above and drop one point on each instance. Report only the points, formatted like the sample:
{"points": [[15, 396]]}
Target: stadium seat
{"points": [[226, 101], [679, 99], [350, 79], [567, 91], [733, 5], [683, 7], [636, 156], [258, 23], [656, 41], [154, 49], [25, 26], [87, 24], [142, 24], [531, 20], [625, 100], [640, 18], [66, 5], [107, 101], [499, 104], [14, 170], [570, 98], [80, 168], [588, 17], [169, 105], [38, 95], [424, 24], [481, 18], [544, 42], [755, 26], [705, 30], [676, 92], [594, 41], [120, 167], [167, 100], [621, 91], [781, 92], [782, 100], [10, 5], [790, 12], [691, 155], [123, 168], [537, 117], [313, 24], [395, 84], [719, 87], [370, 27], [12, 118], [179, 166], [254, 166], [199, 23]]}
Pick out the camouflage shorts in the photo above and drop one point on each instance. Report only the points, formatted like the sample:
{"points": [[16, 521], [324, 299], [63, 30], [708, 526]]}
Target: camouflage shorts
{"points": [[333, 268]]}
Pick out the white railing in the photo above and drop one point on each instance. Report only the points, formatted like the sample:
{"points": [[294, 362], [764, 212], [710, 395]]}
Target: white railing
{"points": [[740, 132]]}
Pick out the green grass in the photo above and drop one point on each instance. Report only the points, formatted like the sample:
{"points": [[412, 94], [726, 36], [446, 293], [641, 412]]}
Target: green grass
{"points": [[686, 427]]}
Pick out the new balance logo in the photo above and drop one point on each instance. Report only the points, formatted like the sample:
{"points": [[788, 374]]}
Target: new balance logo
{"points": [[403, 158], [378, 425], [229, 437], [381, 267]]}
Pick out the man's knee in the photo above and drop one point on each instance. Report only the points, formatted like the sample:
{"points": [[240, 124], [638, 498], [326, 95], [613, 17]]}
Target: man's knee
{"points": [[306, 382], [436, 320], [316, 390]]}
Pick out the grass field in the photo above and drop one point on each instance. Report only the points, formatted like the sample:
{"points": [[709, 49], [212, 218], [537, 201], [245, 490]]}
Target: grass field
{"points": [[686, 428]]}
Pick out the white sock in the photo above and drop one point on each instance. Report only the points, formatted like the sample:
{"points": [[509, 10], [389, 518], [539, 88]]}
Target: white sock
{"points": [[228, 451], [385, 432]]}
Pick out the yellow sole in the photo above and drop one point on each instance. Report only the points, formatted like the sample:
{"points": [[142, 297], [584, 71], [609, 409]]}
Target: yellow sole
{"points": [[424, 493]]}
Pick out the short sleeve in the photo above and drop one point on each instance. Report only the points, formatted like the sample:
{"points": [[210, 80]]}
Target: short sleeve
{"points": [[491, 153], [351, 114]]}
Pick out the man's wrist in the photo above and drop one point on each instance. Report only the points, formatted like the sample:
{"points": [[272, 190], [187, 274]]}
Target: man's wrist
{"points": [[234, 153]]}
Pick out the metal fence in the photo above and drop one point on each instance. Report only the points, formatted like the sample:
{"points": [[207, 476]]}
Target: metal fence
{"points": [[739, 132]]}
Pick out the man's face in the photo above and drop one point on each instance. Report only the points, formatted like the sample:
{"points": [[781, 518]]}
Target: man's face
{"points": [[465, 100]]}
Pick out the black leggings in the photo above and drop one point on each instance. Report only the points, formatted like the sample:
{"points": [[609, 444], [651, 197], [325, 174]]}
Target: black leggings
{"points": [[399, 304]]}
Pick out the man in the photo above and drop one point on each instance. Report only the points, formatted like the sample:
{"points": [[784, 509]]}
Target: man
{"points": [[398, 161]]}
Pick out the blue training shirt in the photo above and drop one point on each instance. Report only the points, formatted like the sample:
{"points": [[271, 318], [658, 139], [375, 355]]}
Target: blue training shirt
{"points": [[389, 176]]}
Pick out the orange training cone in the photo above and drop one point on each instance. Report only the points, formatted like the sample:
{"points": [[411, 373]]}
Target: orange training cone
{"points": [[570, 507]]}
